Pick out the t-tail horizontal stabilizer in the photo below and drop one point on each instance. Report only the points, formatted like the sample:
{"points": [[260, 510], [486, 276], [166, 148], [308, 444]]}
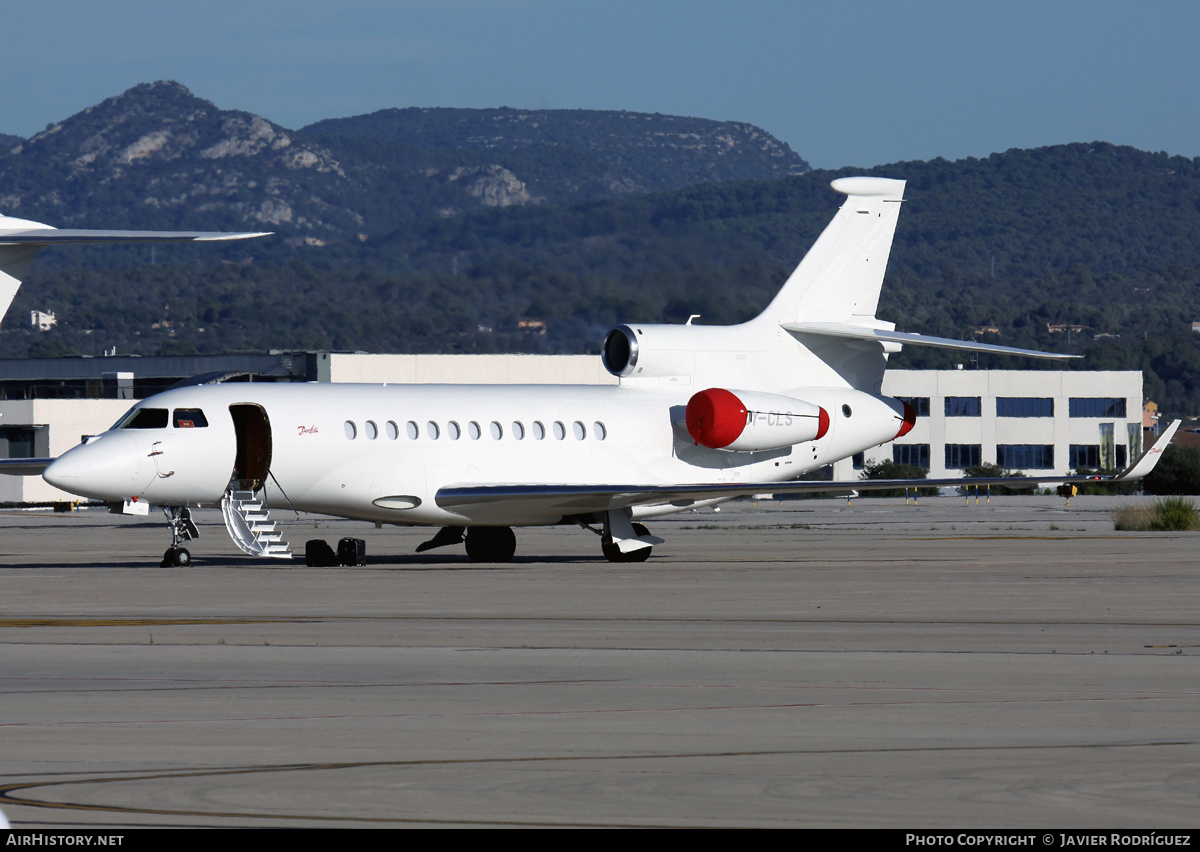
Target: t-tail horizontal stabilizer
{"points": [[859, 332]]}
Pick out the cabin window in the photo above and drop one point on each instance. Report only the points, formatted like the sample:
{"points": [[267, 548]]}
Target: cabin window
{"points": [[580, 430], [560, 431], [393, 431], [539, 431], [371, 430], [351, 430], [412, 430], [453, 430], [189, 418], [599, 431], [145, 418], [431, 429], [518, 430], [497, 430], [474, 431]]}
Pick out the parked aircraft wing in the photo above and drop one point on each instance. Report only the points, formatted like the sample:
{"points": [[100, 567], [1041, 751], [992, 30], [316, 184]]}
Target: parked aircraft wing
{"points": [[580, 499], [21, 239], [859, 332], [46, 236]]}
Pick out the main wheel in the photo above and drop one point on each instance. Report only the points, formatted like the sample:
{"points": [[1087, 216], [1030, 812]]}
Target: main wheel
{"points": [[491, 544], [613, 553]]}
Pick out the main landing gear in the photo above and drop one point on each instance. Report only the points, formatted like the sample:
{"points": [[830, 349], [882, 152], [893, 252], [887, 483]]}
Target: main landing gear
{"points": [[484, 544], [179, 519], [498, 544], [613, 553]]}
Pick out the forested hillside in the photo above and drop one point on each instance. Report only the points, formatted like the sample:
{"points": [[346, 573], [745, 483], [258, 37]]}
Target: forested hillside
{"points": [[1098, 239]]}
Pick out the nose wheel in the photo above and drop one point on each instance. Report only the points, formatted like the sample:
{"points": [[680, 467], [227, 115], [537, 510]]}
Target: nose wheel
{"points": [[179, 519], [176, 557]]}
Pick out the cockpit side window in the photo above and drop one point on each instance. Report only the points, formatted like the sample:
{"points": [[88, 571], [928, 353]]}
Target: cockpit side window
{"points": [[144, 418], [189, 418]]}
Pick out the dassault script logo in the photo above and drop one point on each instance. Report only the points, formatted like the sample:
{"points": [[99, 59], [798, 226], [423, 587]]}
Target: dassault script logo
{"points": [[307, 430]]}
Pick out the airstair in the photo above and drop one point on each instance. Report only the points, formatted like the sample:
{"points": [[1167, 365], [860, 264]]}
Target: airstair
{"points": [[248, 521]]}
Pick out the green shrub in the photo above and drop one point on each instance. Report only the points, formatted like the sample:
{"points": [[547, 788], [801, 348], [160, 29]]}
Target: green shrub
{"points": [[894, 470], [1169, 513], [987, 471], [1177, 472], [1175, 513]]}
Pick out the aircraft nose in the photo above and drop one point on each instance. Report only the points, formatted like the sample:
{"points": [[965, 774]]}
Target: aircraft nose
{"points": [[104, 469]]}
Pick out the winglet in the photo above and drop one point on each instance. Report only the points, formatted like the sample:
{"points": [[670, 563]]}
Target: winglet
{"points": [[1147, 460]]}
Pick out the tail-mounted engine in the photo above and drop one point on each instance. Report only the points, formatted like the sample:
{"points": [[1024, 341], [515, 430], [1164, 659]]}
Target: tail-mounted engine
{"points": [[746, 421]]}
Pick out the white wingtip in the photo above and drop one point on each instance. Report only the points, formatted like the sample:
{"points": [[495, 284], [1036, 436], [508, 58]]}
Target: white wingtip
{"points": [[1147, 460], [247, 236]]}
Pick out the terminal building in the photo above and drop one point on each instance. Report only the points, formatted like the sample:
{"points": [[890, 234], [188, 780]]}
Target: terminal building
{"points": [[1035, 421]]}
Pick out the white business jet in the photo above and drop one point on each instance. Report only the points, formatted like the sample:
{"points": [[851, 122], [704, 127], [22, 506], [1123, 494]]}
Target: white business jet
{"points": [[701, 414]]}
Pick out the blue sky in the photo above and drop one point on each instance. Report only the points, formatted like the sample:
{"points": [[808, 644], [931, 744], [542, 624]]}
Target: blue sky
{"points": [[856, 82]]}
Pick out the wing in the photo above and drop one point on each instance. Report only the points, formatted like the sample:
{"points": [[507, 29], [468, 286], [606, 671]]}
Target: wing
{"points": [[581, 499], [48, 236]]}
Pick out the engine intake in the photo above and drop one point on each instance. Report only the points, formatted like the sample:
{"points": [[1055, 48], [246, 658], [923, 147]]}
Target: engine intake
{"points": [[746, 421]]}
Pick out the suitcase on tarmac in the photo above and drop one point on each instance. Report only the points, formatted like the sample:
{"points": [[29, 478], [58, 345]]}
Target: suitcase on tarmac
{"points": [[318, 554], [352, 551]]}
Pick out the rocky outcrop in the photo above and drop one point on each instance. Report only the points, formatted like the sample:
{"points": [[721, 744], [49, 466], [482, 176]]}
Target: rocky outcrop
{"points": [[159, 144], [494, 186]]}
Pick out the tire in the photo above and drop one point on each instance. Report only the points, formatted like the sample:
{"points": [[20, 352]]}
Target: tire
{"points": [[176, 557], [491, 544], [613, 553]]}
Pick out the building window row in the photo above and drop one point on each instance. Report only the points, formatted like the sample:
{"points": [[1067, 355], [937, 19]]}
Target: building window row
{"points": [[959, 456], [1082, 406], [920, 404], [1024, 406], [1021, 456], [963, 406], [916, 455], [1106, 456], [451, 429]]}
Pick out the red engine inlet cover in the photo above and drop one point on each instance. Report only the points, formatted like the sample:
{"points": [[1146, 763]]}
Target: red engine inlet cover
{"points": [[715, 418], [910, 420]]}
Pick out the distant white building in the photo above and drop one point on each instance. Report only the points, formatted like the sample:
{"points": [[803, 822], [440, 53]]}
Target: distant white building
{"points": [[42, 321], [1037, 421]]}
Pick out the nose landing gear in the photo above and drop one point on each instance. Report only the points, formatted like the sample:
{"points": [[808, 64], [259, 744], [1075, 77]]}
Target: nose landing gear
{"points": [[179, 519]]}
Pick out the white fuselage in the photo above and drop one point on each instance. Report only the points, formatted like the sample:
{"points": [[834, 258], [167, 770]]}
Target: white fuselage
{"points": [[381, 452]]}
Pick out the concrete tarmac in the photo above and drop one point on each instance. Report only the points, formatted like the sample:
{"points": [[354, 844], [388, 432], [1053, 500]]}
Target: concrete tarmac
{"points": [[808, 663]]}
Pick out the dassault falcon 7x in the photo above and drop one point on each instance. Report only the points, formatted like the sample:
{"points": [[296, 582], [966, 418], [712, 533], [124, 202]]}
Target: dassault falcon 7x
{"points": [[701, 414]]}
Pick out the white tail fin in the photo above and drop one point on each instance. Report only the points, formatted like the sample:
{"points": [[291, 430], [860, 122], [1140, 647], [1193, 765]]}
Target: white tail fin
{"points": [[840, 277], [21, 239]]}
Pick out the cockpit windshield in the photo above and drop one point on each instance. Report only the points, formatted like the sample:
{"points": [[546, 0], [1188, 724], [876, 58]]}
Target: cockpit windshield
{"points": [[143, 418], [189, 418], [156, 418]]}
